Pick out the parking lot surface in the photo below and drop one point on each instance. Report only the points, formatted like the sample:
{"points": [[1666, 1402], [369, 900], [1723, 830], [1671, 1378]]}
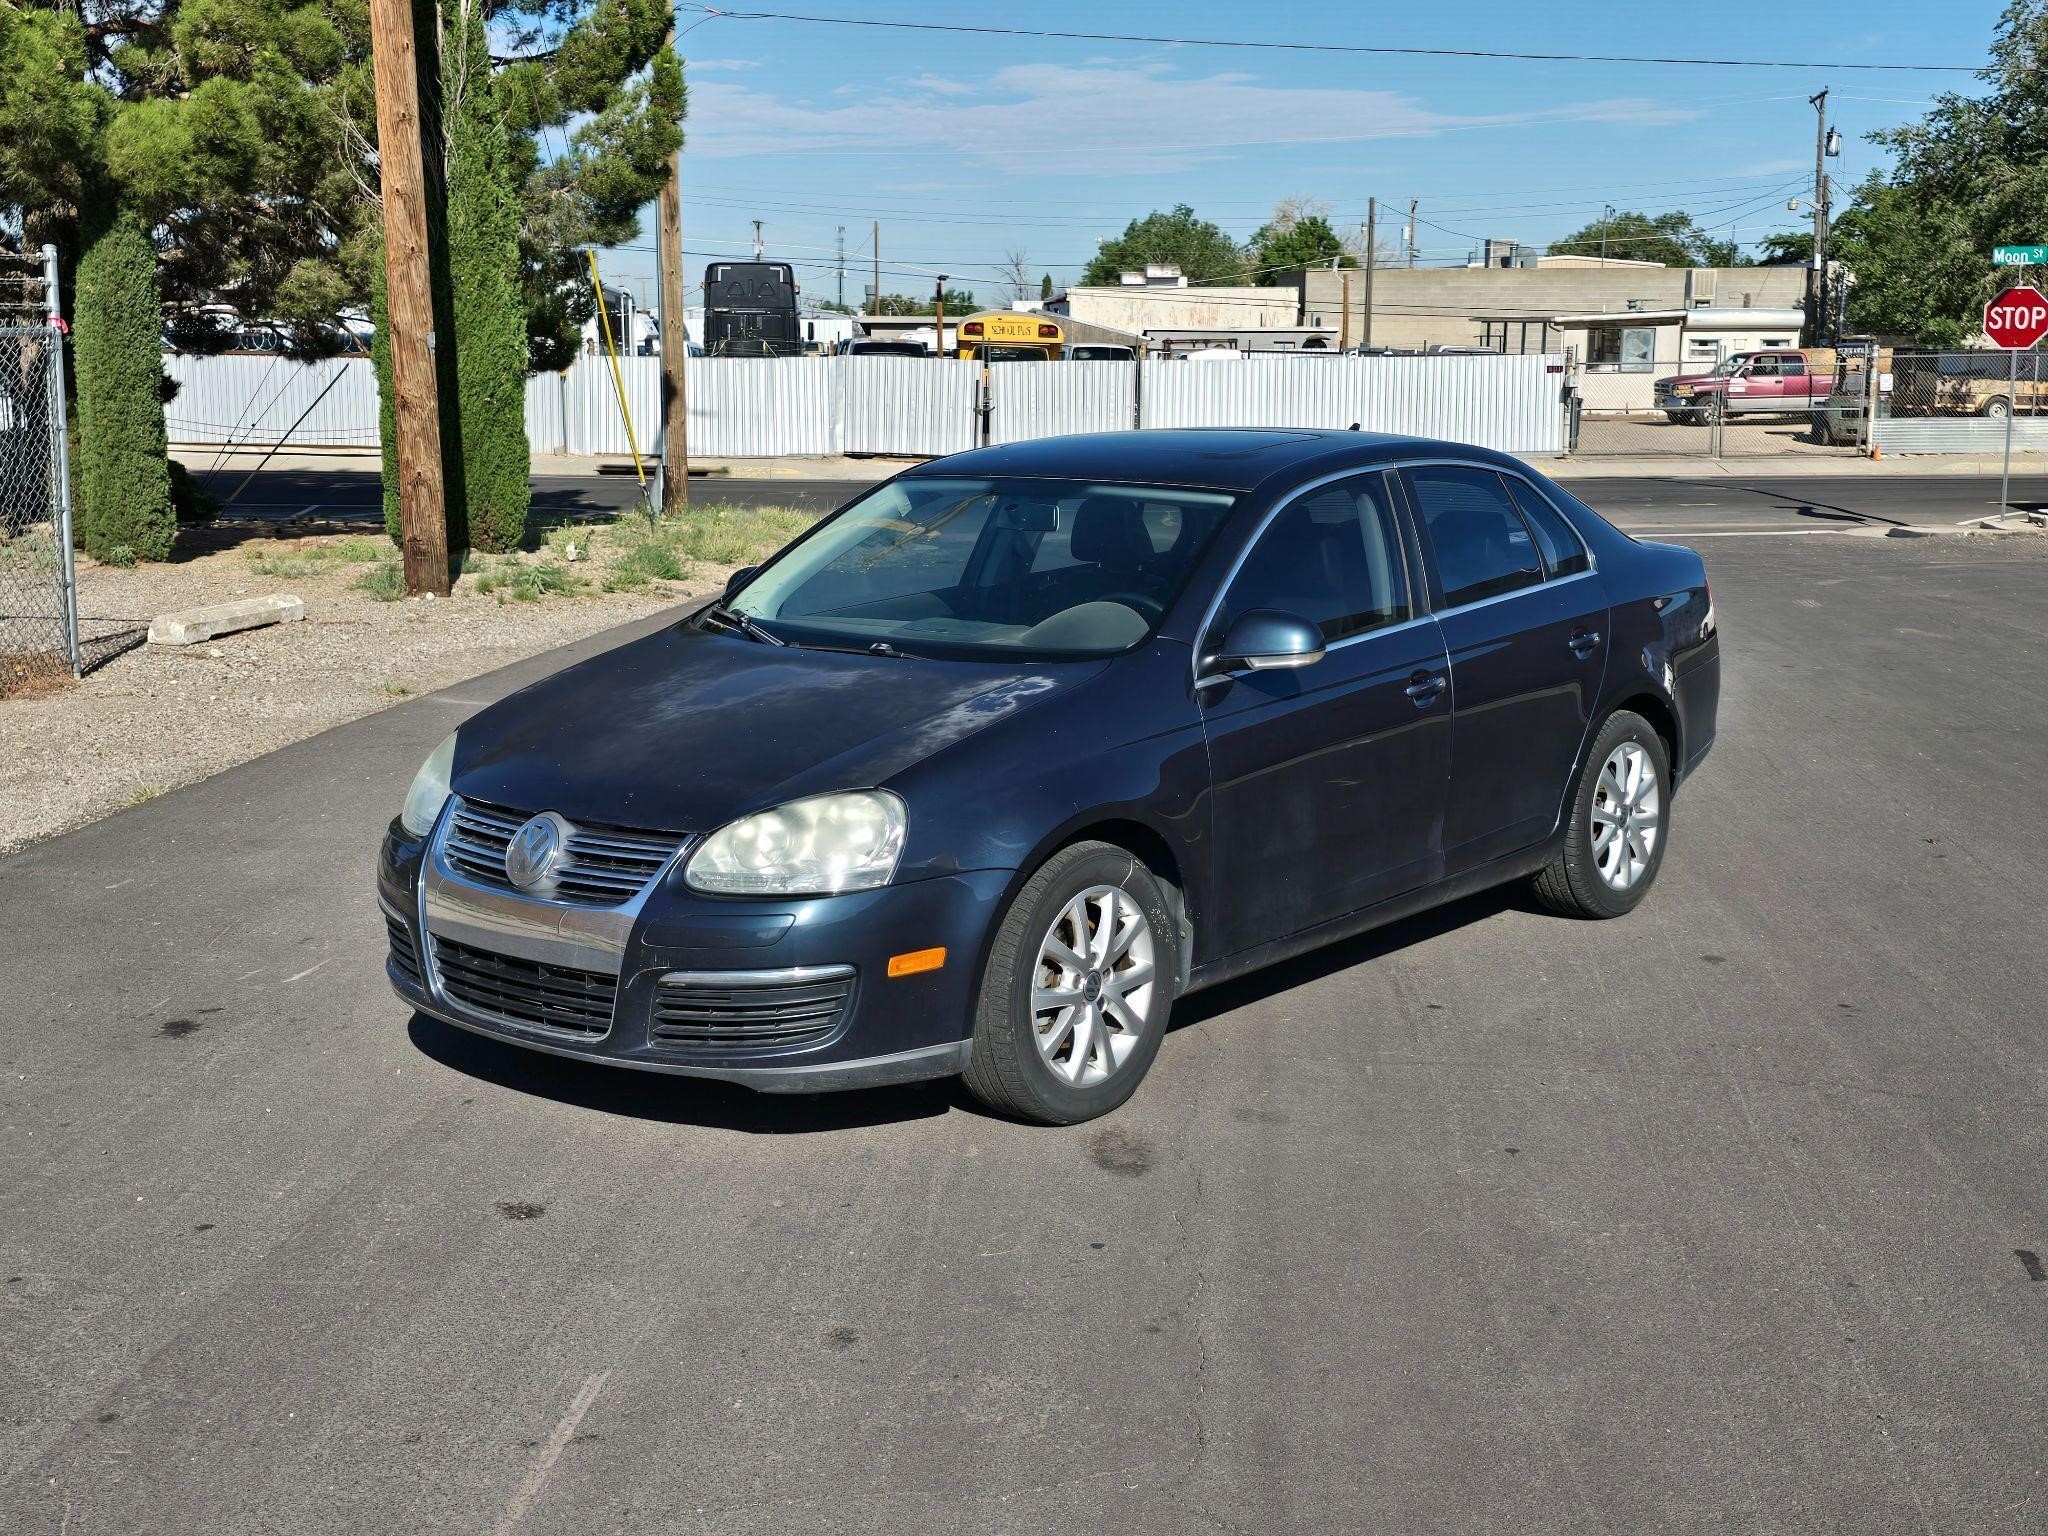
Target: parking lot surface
{"points": [[1725, 1216]]}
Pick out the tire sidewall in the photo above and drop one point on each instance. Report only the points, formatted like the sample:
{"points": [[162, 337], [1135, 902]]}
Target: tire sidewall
{"points": [[1586, 880], [1085, 868]]}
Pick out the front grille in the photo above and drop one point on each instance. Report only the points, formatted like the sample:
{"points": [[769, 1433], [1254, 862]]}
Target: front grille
{"points": [[404, 955], [744, 1011], [526, 991], [599, 866]]}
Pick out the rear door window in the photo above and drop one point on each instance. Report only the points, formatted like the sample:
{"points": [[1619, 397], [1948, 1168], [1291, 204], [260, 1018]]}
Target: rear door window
{"points": [[1483, 548], [1564, 553]]}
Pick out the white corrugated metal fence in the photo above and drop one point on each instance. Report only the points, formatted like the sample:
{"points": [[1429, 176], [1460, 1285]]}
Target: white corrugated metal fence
{"points": [[768, 407]]}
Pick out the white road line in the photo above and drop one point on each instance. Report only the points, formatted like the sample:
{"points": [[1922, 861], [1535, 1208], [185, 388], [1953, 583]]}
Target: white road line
{"points": [[529, 1488], [1737, 533]]}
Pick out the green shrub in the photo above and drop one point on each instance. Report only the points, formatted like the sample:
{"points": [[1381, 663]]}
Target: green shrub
{"points": [[489, 309], [122, 555], [124, 476]]}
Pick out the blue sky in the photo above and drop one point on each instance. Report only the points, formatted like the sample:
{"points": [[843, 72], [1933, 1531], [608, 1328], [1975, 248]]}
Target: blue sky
{"points": [[969, 147]]}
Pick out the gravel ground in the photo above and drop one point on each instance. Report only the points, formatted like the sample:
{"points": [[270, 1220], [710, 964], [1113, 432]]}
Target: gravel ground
{"points": [[152, 718]]}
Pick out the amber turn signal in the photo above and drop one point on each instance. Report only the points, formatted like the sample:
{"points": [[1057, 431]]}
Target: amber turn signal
{"points": [[917, 960]]}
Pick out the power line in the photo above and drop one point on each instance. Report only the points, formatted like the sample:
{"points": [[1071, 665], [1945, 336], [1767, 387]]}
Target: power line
{"points": [[1342, 48]]}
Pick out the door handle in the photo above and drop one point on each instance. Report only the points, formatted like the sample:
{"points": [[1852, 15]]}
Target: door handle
{"points": [[1424, 688], [1583, 643]]}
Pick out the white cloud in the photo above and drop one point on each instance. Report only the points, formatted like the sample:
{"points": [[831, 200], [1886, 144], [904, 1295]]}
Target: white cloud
{"points": [[1083, 120], [701, 66]]}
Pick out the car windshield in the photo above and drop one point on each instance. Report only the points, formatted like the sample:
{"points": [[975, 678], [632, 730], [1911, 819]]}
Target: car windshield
{"points": [[1021, 568]]}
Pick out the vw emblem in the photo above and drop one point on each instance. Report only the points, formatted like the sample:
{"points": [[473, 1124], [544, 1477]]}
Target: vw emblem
{"points": [[530, 856]]}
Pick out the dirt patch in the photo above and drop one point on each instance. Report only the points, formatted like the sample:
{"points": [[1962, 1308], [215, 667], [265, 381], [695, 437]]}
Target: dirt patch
{"points": [[152, 718]]}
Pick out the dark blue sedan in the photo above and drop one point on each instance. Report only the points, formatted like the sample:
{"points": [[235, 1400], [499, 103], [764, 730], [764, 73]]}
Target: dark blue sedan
{"points": [[987, 769]]}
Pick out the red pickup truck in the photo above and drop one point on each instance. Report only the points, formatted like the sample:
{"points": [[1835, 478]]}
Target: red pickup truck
{"points": [[1786, 381]]}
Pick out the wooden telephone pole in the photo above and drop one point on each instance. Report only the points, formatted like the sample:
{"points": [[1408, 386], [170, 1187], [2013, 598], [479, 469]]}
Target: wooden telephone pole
{"points": [[675, 342], [409, 307]]}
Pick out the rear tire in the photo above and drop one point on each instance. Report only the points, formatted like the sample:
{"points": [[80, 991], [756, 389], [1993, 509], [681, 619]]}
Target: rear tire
{"points": [[1077, 990], [1619, 824]]}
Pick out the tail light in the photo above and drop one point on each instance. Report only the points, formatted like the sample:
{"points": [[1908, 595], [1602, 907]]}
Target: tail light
{"points": [[1049, 332], [971, 328]]}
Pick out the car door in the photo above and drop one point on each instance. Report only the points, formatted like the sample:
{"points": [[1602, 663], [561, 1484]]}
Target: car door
{"points": [[1526, 635], [1328, 781], [1758, 387]]}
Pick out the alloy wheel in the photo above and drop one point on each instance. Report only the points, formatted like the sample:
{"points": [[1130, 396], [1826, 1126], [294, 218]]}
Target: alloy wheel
{"points": [[1627, 806], [1093, 987]]}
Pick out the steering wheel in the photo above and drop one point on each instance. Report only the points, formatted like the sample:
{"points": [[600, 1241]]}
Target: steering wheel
{"points": [[1149, 606]]}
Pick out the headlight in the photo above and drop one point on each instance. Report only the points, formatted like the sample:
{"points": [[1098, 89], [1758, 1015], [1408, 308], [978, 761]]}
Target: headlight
{"points": [[814, 847], [429, 791]]}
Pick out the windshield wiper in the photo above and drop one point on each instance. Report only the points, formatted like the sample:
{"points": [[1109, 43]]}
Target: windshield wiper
{"points": [[745, 624]]}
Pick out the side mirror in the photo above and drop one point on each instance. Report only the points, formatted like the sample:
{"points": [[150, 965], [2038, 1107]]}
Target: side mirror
{"points": [[1265, 640], [738, 579]]}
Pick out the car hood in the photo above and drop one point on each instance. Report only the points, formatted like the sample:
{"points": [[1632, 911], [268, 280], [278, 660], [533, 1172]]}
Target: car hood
{"points": [[1694, 379], [686, 729]]}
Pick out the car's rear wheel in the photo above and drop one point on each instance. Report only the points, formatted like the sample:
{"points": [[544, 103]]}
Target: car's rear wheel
{"points": [[1619, 824], [1077, 989]]}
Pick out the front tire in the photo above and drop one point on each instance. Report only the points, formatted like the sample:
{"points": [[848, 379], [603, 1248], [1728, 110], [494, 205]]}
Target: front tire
{"points": [[1620, 823], [1079, 983]]}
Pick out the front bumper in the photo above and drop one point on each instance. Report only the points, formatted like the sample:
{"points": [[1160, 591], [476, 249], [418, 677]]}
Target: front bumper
{"points": [[890, 1029]]}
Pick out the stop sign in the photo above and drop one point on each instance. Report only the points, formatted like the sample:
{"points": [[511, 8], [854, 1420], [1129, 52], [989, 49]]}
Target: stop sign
{"points": [[2017, 318]]}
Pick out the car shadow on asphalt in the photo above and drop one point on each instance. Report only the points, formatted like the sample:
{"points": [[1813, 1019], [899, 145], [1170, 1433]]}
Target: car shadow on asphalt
{"points": [[668, 1098], [1242, 992]]}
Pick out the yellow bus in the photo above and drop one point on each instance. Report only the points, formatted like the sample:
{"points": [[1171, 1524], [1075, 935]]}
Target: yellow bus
{"points": [[1005, 336]]}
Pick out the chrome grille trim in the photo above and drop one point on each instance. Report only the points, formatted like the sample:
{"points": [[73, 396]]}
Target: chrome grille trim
{"points": [[599, 866]]}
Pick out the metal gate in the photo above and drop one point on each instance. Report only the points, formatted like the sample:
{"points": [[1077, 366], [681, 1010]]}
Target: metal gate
{"points": [[38, 592]]}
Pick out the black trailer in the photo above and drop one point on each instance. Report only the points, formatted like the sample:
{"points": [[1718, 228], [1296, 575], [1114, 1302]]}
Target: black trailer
{"points": [[750, 310]]}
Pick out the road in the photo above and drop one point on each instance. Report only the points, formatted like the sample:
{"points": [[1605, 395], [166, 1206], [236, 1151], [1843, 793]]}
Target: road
{"points": [[1720, 505], [1718, 1218]]}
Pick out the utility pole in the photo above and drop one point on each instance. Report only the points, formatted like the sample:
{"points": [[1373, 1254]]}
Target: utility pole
{"points": [[939, 307], [1372, 220], [875, 298], [839, 241], [409, 310], [1820, 215], [675, 341], [757, 240], [1414, 237], [1606, 218]]}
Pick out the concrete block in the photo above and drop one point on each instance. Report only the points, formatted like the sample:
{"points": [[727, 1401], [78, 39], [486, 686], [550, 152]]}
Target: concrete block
{"points": [[196, 624]]}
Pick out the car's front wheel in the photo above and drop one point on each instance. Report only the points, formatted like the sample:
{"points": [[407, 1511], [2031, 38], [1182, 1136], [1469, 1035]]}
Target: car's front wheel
{"points": [[1619, 824], [1077, 989]]}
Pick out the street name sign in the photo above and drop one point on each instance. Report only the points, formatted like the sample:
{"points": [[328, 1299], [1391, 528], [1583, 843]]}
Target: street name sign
{"points": [[2019, 256], [2017, 318]]}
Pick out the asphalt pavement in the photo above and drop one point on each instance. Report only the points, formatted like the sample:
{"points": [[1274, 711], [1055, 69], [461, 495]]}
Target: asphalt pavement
{"points": [[1727, 1216], [1721, 505]]}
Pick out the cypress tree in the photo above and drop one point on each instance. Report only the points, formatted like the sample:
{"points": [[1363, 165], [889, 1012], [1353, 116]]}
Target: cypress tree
{"points": [[124, 478], [488, 432]]}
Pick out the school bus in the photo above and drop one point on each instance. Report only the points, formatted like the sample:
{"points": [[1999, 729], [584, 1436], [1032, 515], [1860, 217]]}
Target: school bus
{"points": [[1004, 336]]}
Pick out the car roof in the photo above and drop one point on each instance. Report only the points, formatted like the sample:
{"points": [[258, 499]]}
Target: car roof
{"points": [[1219, 458]]}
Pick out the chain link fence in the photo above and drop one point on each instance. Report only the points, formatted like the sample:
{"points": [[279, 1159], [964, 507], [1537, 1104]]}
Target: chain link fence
{"points": [[1746, 405], [38, 590]]}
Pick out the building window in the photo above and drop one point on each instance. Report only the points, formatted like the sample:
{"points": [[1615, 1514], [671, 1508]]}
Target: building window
{"points": [[1622, 348]]}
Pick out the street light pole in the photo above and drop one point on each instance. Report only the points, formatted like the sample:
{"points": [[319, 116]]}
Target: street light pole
{"points": [[939, 306]]}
